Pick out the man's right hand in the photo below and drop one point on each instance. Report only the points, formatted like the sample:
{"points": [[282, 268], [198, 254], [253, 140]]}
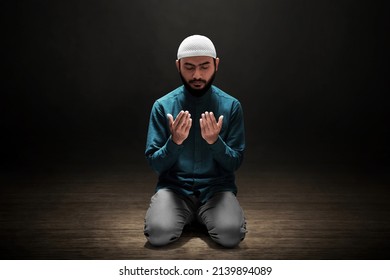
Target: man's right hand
{"points": [[180, 127]]}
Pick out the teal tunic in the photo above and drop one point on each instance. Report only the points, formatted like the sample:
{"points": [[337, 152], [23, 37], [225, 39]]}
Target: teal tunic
{"points": [[196, 167]]}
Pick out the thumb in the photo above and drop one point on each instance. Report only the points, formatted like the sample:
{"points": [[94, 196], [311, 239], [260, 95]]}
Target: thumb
{"points": [[170, 118]]}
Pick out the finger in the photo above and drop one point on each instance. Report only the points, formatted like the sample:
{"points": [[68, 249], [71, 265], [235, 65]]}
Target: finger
{"points": [[208, 123], [204, 122], [206, 115], [184, 119], [178, 118], [189, 124], [220, 121], [213, 122], [188, 117], [201, 123]]}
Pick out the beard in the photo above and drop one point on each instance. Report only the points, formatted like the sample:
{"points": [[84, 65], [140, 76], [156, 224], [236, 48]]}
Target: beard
{"points": [[198, 92]]}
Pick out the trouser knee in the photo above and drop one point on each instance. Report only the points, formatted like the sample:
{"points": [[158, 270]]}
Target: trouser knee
{"points": [[228, 235], [166, 217], [160, 235], [224, 219]]}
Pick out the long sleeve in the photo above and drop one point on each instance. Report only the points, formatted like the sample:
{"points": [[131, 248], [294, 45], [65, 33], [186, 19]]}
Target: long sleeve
{"points": [[228, 150], [161, 152], [195, 166]]}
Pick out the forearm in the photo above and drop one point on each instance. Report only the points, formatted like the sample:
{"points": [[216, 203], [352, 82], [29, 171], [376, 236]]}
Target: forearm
{"points": [[230, 159], [165, 157]]}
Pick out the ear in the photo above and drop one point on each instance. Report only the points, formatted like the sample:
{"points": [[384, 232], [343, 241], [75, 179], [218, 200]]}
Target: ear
{"points": [[178, 65], [216, 63]]}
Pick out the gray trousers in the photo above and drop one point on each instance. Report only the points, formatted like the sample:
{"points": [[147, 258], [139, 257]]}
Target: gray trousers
{"points": [[169, 212]]}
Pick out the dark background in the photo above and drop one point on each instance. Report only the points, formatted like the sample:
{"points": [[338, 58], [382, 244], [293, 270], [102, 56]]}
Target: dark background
{"points": [[80, 77]]}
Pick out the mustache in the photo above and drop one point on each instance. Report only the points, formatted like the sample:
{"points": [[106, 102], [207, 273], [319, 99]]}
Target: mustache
{"points": [[197, 80]]}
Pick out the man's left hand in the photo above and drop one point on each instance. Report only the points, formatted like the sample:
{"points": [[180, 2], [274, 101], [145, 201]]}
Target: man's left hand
{"points": [[209, 127]]}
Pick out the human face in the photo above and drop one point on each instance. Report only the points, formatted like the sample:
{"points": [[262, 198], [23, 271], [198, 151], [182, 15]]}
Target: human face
{"points": [[197, 71]]}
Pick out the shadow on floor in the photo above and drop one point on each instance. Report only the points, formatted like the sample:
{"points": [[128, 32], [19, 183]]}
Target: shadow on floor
{"points": [[192, 231]]}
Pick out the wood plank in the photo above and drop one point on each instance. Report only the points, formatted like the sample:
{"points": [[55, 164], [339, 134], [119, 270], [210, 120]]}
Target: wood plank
{"points": [[98, 214]]}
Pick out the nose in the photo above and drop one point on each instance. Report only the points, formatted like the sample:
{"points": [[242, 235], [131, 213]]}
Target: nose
{"points": [[197, 74]]}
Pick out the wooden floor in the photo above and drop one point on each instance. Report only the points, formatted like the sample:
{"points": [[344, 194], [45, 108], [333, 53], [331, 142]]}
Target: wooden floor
{"points": [[97, 213]]}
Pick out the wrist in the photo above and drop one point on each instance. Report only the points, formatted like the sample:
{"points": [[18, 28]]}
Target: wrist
{"points": [[212, 141], [177, 142]]}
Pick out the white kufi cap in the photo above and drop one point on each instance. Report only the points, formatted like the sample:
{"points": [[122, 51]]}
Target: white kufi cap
{"points": [[196, 45]]}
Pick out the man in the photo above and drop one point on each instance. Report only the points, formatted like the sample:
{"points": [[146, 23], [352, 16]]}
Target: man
{"points": [[195, 143]]}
